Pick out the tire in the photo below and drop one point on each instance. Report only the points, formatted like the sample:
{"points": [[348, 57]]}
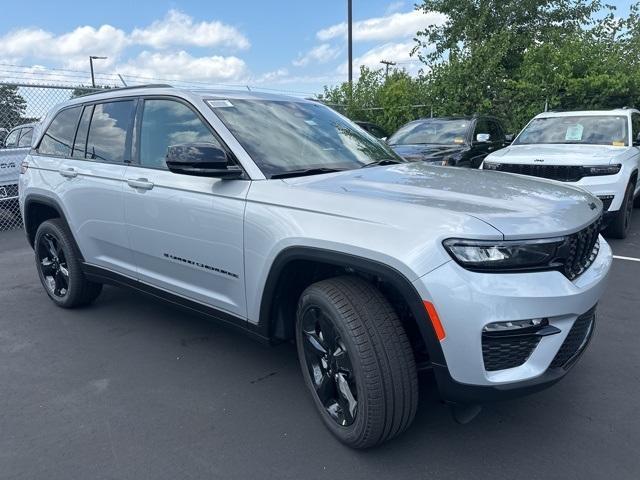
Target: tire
{"points": [[619, 226], [59, 266], [369, 356]]}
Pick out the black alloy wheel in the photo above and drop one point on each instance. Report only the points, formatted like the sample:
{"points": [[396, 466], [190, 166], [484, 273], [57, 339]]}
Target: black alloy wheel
{"points": [[53, 265], [329, 366]]}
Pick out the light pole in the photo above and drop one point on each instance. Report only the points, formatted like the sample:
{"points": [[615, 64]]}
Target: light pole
{"points": [[350, 41], [91, 59]]}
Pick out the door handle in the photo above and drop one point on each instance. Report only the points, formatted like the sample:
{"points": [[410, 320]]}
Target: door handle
{"points": [[68, 172], [140, 183]]}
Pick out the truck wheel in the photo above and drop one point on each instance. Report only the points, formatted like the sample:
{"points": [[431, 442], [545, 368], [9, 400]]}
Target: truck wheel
{"points": [[356, 360], [619, 226], [59, 267]]}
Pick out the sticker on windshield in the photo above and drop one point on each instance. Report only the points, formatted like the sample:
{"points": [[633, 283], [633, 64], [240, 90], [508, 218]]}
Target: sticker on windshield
{"points": [[616, 143], [574, 133], [220, 103], [458, 140]]}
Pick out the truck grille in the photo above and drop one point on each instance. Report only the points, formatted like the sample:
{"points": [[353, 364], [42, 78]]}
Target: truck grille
{"points": [[8, 191], [563, 173], [500, 353], [576, 340], [580, 250]]}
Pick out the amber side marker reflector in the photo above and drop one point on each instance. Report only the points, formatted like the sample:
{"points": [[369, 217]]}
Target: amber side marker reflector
{"points": [[435, 320]]}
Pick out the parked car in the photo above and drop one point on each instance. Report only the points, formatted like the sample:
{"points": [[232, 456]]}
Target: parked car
{"points": [[596, 150], [452, 141], [13, 150], [275, 215], [375, 130]]}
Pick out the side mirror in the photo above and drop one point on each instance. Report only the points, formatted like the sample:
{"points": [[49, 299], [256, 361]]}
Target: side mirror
{"points": [[384, 139], [483, 137], [509, 137], [201, 160]]}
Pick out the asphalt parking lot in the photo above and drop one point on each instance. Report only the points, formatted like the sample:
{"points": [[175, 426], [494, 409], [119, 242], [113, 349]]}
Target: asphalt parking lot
{"points": [[131, 388]]}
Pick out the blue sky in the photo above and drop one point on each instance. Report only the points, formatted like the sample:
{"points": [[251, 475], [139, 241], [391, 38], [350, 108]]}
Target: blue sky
{"points": [[288, 44]]}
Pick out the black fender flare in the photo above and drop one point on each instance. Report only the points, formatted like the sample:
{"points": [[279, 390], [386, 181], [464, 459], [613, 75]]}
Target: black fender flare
{"points": [[266, 324]]}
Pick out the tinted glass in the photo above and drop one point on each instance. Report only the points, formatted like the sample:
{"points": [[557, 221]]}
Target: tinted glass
{"points": [[80, 143], [482, 126], [432, 131], [587, 130], [108, 131], [12, 138], [58, 138], [635, 126], [166, 123], [25, 137], [497, 135], [287, 136]]}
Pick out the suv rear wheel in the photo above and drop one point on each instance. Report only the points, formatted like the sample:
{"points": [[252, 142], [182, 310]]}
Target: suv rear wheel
{"points": [[619, 226], [59, 267], [356, 360]]}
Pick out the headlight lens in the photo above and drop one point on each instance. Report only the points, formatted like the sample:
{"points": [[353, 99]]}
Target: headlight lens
{"points": [[490, 166], [595, 170], [481, 255]]}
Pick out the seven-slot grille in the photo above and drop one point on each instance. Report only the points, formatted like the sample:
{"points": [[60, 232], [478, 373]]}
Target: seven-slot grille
{"points": [[563, 173], [580, 250]]}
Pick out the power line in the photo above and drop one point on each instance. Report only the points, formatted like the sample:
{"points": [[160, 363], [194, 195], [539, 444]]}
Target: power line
{"points": [[387, 64]]}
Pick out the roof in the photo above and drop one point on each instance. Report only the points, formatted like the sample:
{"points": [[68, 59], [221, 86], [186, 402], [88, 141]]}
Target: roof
{"points": [[587, 113]]}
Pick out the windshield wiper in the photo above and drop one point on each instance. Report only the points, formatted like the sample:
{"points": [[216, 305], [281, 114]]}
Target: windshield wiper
{"points": [[307, 171], [386, 161]]}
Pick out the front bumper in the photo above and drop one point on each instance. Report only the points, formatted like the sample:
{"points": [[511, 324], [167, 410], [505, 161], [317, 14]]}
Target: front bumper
{"points": [[467, 301], [606, 186]]}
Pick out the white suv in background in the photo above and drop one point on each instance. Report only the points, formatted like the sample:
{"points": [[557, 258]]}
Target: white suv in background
{"points": [[596, 150]]}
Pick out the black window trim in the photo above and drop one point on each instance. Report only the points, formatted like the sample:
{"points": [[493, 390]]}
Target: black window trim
{"points": [[44, 132], [135, 148]]}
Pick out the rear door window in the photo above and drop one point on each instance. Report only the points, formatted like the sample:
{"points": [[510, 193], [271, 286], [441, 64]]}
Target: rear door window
{"points": [[12, 139], [58, 138], [110, 132], [25, 137]]}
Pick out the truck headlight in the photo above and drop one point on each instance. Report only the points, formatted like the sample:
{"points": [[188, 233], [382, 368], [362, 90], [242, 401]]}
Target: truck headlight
{"points": [[595, 170], [516, 255]]}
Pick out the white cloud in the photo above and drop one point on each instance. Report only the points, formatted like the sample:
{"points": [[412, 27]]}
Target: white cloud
{"points": [[320, 54], [394, 52], [183, 66], [179, 29], [69, 48], [396, 25]]}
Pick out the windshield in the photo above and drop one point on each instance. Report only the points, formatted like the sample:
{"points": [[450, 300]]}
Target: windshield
{"points": [[587, 130], [290, 136], [432, 131]]}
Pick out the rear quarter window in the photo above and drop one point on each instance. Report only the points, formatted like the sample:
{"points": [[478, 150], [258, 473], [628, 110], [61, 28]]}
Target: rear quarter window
{"points": [[58, 138]]}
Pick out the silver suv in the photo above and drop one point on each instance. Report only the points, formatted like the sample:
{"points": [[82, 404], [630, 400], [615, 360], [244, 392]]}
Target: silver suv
{"points": [[13, 149], [282, 218]]}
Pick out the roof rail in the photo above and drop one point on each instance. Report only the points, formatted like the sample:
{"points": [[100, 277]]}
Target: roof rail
{"points": [[119, 89]]}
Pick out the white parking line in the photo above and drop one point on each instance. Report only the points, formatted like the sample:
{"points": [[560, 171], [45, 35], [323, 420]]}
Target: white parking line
{"points": [[631, 259]]}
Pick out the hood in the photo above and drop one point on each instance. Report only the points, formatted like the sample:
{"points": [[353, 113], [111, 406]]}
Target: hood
{"points": [[425, 152], [519, 207], [558, 154]]}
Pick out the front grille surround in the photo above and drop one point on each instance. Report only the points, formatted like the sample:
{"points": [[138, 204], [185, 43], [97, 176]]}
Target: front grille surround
{"points": [[561, 173], [579, 250]]}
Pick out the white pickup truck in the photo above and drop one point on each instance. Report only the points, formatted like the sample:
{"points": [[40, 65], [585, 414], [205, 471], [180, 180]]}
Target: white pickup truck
{"points": [[13, 150], [596, 150]]}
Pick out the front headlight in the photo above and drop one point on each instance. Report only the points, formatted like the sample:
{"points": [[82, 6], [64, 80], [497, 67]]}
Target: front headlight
{"points": [[517, 255], [595, 170], [490, 166]]}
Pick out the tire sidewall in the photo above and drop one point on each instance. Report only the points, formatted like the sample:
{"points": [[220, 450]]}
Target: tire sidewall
{"points": [[310, 299], [51, 228]]}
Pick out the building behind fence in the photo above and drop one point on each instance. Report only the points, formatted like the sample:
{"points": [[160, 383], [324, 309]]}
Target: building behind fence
{"points": [[22, 104]]}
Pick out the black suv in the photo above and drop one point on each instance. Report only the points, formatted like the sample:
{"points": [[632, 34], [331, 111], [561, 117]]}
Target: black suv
{"points": [[453, 141]]}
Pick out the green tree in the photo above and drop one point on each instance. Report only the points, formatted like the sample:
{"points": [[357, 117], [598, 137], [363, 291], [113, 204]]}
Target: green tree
{"points": [[12, 107]]}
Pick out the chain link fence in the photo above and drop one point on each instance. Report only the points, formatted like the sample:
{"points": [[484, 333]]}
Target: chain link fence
{"points": [[22, 106]]}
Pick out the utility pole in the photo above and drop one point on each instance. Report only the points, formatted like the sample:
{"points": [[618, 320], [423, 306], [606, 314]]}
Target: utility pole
{"points": [[387, 64], [350, 40], [91, 59]]}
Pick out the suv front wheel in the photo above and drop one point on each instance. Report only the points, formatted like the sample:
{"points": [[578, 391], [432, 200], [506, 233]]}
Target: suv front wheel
{"points": [[59, 267], [619, 226], [356, 360]]}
